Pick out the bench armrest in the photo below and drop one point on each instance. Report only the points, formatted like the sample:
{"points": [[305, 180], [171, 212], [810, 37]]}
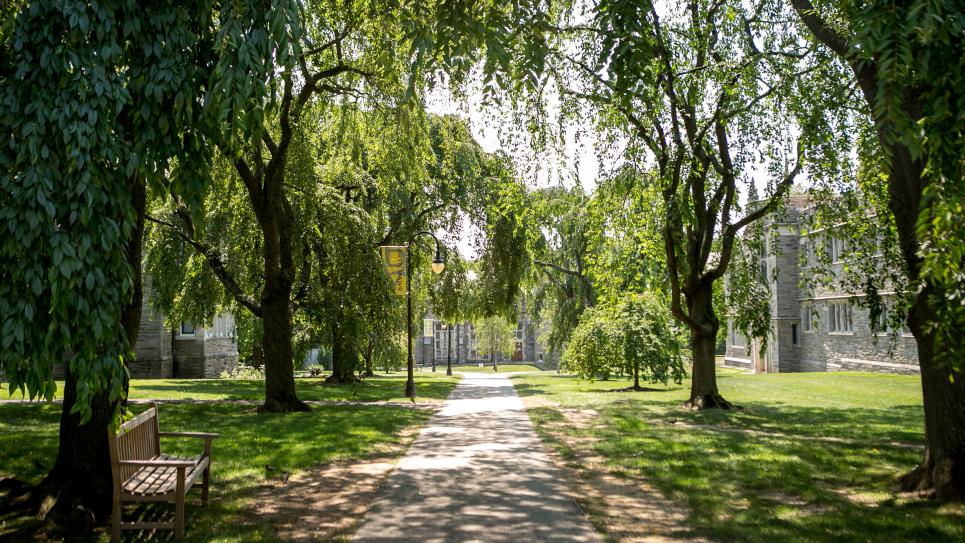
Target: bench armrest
{"points": [[200, 435], [158, 463]]}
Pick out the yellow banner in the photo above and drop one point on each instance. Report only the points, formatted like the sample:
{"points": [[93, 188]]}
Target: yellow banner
{"points": [[393, 260]]}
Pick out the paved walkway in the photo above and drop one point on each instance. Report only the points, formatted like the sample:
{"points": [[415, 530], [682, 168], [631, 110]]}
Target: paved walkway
{"points": [[477, 472]]}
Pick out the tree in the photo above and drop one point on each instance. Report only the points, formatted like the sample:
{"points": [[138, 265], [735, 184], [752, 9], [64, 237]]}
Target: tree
{"points": [[497, 336], [635, 337], [562, 287], [906, 61], [130, 93], [690, 88]]}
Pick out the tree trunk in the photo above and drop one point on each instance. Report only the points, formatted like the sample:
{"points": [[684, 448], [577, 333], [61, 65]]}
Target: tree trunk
{"points": [[81, 476], [369, 363], [344, 357], [942, 469], [280, 394], [636, 375], [703, 344]]}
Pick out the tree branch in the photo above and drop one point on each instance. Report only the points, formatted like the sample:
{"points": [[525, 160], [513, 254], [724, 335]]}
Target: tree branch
{"points": [[213, 259]]}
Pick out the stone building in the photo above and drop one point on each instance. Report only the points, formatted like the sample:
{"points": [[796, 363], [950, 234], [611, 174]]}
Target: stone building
{"points": [[188, 352], [432, 343], [817, 329]]}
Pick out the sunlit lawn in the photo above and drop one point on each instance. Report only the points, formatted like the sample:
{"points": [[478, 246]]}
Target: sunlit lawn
{"points": [[383, 387], [252, 446], [785, 485]]}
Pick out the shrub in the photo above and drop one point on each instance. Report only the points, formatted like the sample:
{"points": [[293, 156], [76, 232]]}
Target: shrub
{"points": [[242, 371], [635, 336], [316, 370]]}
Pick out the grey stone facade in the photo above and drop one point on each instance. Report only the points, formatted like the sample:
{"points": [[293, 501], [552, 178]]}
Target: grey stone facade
{"points": [[838, 336], [161, 353], [427, 349]]}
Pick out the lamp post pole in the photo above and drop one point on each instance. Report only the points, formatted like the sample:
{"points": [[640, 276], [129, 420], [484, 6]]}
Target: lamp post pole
{"points": [[449, 351], [438, 265]]}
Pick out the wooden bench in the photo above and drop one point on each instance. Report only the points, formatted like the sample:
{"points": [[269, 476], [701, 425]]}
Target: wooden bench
{"points": [[142, 474]]}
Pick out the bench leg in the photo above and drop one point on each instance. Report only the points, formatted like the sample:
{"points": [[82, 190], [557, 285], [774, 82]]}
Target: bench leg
{"points": [[179, 507], [116, 519], [204, 484]]}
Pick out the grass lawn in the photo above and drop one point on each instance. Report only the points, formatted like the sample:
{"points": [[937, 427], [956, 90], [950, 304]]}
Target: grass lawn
{"points": [[817, 463], [430, 387], [253, 446], [503, 368]]}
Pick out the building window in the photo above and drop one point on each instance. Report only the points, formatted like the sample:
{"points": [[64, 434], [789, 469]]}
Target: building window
{"points": [[222, 327], [839, 316], [519, 335], [736, 338], [794, 339], [809, 259], [809, 317], [442, 343], [839, 248]]}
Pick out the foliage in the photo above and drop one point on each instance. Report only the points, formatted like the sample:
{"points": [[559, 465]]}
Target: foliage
{"points": [[242, 371], [633, 337], [495, 336], [561, 287], [130, 92]]}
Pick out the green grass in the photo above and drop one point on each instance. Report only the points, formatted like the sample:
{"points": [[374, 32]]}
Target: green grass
{"points": [[741, 486], [503, 368], [383, 387], [252, 446]]}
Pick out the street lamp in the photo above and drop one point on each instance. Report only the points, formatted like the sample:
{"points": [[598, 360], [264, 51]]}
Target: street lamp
{"points": [[448, 349], [438, 265]]}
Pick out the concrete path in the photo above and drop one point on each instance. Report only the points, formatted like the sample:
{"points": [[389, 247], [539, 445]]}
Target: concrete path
{"points": [[477, 472]]}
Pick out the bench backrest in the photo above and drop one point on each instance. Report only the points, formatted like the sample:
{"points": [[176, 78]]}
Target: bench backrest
{"points": [[136, 439]]}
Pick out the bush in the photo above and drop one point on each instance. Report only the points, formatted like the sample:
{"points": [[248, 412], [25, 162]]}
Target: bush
{"points": [[316, 370], [635, 337], [242, 371]]}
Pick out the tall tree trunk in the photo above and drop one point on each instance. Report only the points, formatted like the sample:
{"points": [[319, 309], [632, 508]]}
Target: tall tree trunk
{"points": [[81, 475], [344, 357], [703, 344], [942, 469], [275, 218], [276, 344], [369, 363], [636, 375]]}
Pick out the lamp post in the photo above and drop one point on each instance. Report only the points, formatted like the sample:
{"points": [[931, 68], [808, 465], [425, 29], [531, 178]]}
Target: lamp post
{"points": [[438, 264], [448, 348]]}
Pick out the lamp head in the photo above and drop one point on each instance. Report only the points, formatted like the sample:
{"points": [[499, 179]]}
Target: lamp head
{"points": [[438, 264]]}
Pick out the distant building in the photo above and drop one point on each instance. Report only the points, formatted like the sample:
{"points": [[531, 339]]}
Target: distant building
{"points": [[433, 341], [819, 330]]}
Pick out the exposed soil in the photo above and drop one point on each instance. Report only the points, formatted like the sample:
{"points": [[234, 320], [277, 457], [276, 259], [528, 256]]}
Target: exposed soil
{"points": [[606, 495]]}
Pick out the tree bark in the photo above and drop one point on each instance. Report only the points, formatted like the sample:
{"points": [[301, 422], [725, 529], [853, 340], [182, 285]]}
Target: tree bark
{"points": [[703, 343], [280, 394], [942, 469], [81, 476], [369, 363], [344, 357]]}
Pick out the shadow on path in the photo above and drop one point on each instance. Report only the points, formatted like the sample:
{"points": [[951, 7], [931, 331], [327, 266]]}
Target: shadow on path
{"points": [[477, 472]]}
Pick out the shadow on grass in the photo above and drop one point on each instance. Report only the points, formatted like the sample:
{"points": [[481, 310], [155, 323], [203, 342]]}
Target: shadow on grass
{"points": [[751, 488], [253, 446], [382, 388]]}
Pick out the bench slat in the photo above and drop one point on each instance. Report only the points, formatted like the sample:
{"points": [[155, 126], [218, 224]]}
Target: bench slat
{"points": [[163, 480]]}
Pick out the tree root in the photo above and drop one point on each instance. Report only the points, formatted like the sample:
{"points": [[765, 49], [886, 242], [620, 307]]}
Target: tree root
{"points": [[52, 516], [278, 406], [634, 389], [346, 380], [928, 480], [709, 401]]}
